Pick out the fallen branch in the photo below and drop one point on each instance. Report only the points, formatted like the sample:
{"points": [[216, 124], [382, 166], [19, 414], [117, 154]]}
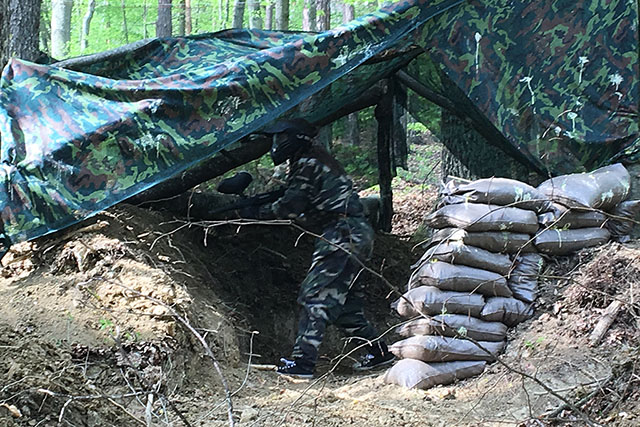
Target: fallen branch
{"points": [[605, 322]]}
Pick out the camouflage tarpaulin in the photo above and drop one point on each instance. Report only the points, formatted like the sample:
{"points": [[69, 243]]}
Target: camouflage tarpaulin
{"points": [[77, 142], [557, 79]]}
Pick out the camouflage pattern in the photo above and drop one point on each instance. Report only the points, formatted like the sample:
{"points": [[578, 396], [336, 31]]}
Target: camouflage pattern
{"points": [[324, 199], [328, 294], [557, 79], [315, 195], [77, 140]]}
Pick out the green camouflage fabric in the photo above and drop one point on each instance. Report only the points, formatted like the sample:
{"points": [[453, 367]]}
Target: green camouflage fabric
{"points": [[324, 200], [328, 294], [315, 194], [556, 79], [77, 140]]}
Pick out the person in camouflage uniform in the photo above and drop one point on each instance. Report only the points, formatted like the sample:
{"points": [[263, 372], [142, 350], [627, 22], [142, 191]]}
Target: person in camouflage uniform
{"points": [[320, 195]]}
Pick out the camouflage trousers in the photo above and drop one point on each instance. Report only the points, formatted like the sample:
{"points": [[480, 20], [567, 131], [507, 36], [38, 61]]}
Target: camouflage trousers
{"points": [[328, 295]]}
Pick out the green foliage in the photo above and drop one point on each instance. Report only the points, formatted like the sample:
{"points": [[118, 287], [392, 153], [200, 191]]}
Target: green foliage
{"points": [[423, 162], [417, 127], [360, 162], [115, 23]]}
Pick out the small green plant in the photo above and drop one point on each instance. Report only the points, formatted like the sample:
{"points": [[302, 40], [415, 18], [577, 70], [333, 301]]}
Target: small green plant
{"points": [[533, 344], [132, 336], [106, 324]]}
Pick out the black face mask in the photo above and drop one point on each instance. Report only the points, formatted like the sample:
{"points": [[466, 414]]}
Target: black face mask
{"points": [[286, 144]]}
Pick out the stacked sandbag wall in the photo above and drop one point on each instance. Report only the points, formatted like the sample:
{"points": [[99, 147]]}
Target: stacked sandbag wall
{"points": [[480, 271], [589, 210], [477, 277]]}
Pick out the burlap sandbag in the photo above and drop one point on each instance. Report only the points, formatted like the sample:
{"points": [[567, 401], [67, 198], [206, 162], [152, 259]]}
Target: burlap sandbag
{"points": [[444, 349], [456, 252], [563, 242], [509, 311], [496, 191], [601, 189], [430, 301], [460, 278], [622, 222], [411, 373], [494, 241], [523, 280], [570, 218], [479, 217], [453, 325]]}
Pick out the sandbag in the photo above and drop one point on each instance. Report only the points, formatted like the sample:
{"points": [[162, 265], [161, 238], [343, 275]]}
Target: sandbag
{"points": [[411, 373], [453, 325], [458, 253], [460, 278], [496, 191], [563, 242], [523, 280], [430, 301], [444, 349], [509, 311], [622, 222], [494, 241], [572, 219], [479, 217], [601, 189]]}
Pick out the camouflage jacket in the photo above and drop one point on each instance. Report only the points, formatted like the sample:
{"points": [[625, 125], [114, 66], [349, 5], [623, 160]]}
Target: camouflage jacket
{"points": [[315, 195]]}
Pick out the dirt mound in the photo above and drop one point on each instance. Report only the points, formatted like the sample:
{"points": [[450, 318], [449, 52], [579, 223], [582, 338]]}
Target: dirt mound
{"points": [[118, 322], [131, 301]]}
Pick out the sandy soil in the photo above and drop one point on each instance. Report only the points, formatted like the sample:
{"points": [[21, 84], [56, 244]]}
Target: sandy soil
{"points": [[110, 323]]}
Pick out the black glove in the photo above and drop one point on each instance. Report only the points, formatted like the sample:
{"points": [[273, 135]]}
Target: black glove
{"points": [[249, 212]]}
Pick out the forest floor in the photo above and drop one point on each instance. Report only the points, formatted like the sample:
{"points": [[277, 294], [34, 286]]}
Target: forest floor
{"points": [[126, 318]]}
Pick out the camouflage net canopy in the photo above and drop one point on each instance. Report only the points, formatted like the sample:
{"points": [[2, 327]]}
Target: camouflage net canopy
{"points": [[556, 79]]}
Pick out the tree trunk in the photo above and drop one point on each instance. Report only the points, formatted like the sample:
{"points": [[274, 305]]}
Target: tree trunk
{"points": [[282, 15], [255, 15], [268, 16], [125, 30], [348, 13], [187, 17], [86, 24], [309, 15], [181, 17], [163, 24], [60, 27], [145, 14], [217, 20], [226, 14], [238, 13], [323, 18], [352, 125], [20, 21]]}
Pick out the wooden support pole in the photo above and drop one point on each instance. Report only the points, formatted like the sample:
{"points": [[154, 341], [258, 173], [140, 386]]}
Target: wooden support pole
{"points": [[384, 116]]}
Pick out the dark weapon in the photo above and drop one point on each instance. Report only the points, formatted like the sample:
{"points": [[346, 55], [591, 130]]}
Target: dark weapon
{"points": [[236, 185]]}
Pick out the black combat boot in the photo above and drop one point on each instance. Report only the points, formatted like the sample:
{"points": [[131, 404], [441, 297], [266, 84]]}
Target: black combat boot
{"points": [[378, 355], [296, 368]]}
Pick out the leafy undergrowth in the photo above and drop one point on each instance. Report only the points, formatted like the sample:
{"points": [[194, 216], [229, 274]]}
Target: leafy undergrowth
{"points": [[118, 322]]}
